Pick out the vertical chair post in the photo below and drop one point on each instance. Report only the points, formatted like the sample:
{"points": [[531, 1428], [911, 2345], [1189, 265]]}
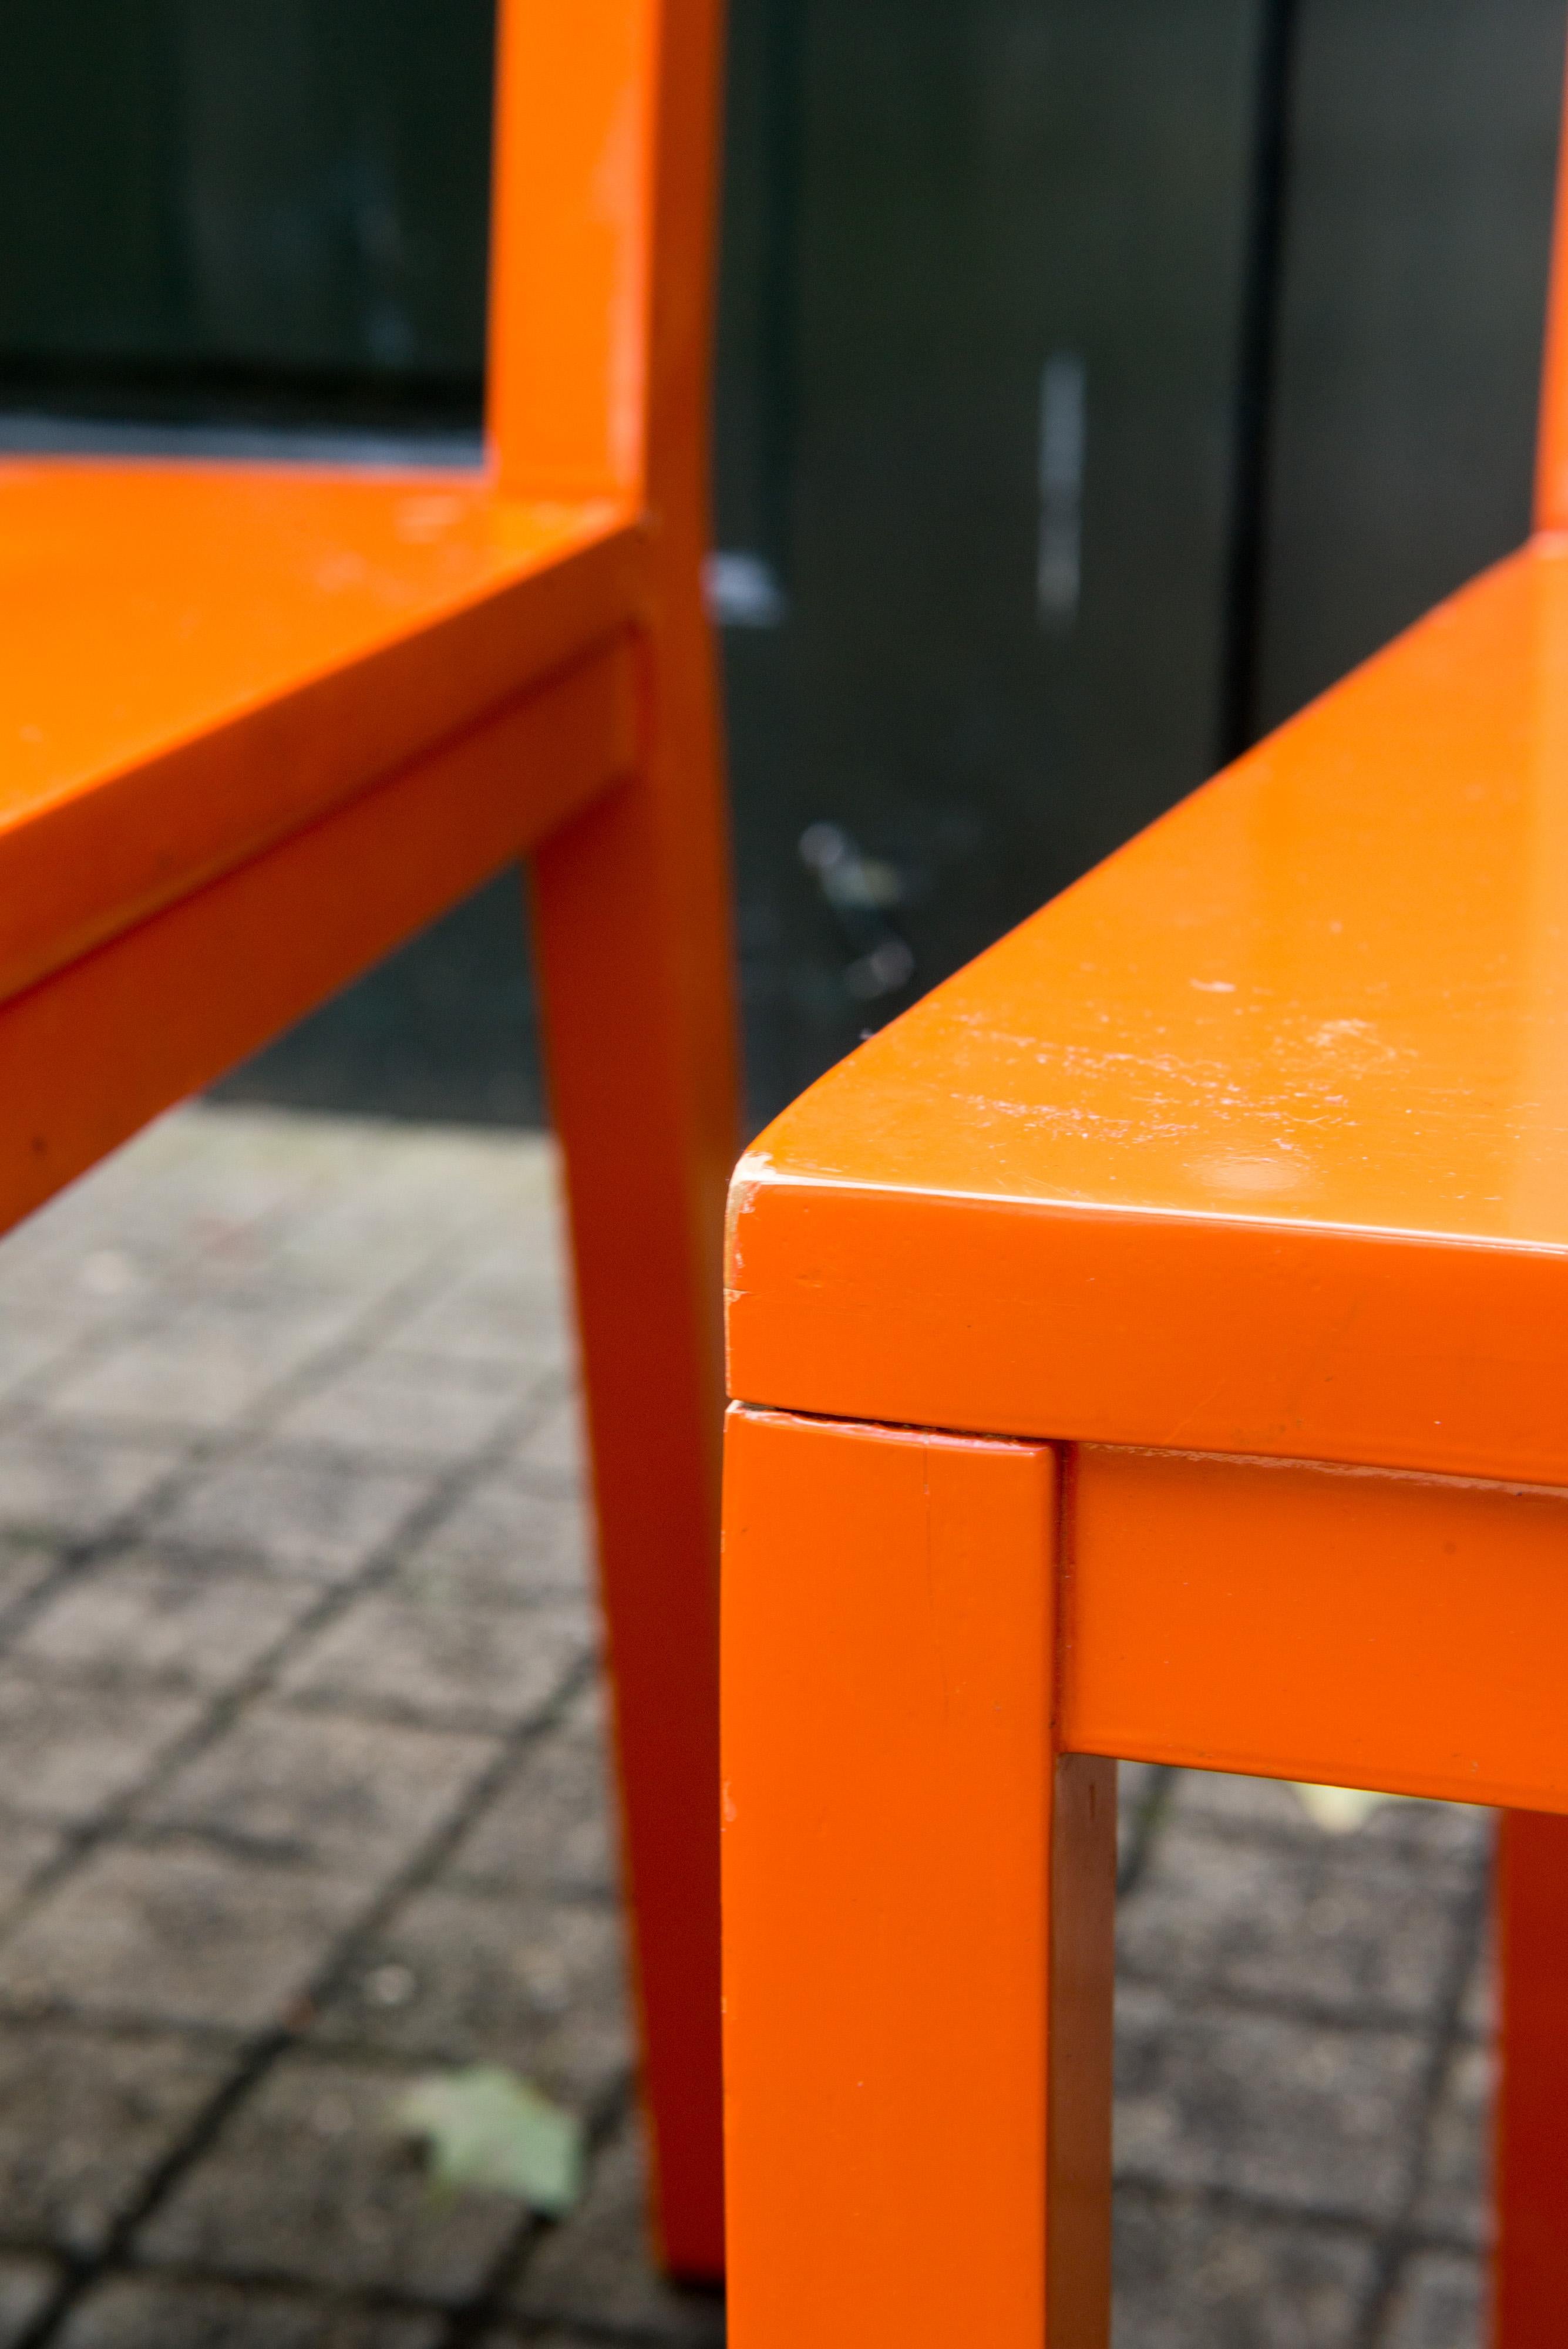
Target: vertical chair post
{"points": [[1530, 2258], [918, 1902], [601, 327]]}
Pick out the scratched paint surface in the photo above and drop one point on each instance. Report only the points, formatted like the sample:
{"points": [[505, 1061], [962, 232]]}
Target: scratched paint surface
{"points": [[1330, 988]]}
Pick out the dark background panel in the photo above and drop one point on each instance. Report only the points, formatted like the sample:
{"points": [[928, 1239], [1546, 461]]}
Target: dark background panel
{"points": [[983, 370], [1423, 142], [974, 190], [278, 205]]}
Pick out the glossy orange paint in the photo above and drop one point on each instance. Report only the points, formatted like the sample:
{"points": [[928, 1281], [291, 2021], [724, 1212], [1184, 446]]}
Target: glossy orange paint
{"points": [[257, 723], [569, 283], [1239, 1173], [918, 1896], [1252, 1142], [199, 659], [1337, 1625], [635, 955], [161, 1010], [1531, 2188]]}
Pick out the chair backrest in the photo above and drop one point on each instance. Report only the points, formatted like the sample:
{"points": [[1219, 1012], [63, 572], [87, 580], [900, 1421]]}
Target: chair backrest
{"points": [[600, 304], [1552, 438]]}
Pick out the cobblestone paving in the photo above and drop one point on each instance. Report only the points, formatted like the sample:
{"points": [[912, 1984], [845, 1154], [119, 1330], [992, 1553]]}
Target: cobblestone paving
{"points": [[301, 1795]]}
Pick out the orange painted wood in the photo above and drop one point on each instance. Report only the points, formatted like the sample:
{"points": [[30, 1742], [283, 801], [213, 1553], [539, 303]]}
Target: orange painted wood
{"points": [[88, 1056], [1253, 1141], [633, 929], [1239, 1171], [918, 1903], [201, 658], [1359, 1629], [1531, 2260], [570, 281], [637, 1098], [257, 723]]}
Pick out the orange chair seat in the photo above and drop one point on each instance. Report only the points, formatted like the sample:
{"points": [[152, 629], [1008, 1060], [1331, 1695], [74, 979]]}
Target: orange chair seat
{"points": [[201, 658], [1256, 1141], [259, 724]]}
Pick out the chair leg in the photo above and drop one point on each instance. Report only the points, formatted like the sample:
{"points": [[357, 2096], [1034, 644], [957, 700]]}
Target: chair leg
{"points": [[918, 1901], [631, 939], [1530, 2261]]}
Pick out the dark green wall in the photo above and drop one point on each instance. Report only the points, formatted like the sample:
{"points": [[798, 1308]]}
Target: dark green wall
{"points": [[278, 203], [1425, 144]]}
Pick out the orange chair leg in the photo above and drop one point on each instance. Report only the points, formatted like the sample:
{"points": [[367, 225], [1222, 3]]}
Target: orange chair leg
{"points": [[918, 1903], [631, 941], [1531, 2279]]}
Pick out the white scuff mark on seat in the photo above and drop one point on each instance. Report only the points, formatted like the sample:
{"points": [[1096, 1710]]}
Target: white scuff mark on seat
{"points": [[1251, 1174]]}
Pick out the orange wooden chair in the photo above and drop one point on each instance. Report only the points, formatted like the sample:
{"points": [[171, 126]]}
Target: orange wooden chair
{"points": [[258, 723], [1154, 1344]]}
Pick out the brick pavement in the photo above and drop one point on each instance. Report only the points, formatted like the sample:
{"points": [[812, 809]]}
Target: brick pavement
{"points": [[301, 1796]]}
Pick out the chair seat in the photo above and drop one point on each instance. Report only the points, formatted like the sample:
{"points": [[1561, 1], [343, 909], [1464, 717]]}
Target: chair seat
{"points": [[200, 657], [1256, 1140]]}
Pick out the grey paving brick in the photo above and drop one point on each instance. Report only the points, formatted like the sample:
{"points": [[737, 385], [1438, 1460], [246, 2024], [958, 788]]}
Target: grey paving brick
{"points": [[398, 1197], [69, 1282], [67, 1749], [1478, 2015], [1134, 1780], [594, 2268], [548, 1831], [206, 1367], [503, 1542], [33, 1346], [1190, 2275], [355, 1244], [135, 1620], [84, 2120], [509, 1316], [194, 1180], [552, 1451], [407, 1405], [141, 2312], [1454, 2202], [25, 1567], [1293, 2113], [25, 2285], [179, 1937], [308, 2180], [295, 1515], [56, 1484], [185, 1277], [1441, 2304], [25, 1849], [1317, 1927], [1432, 1832], [353, 1797], [429, 1659], [459, 1978]]}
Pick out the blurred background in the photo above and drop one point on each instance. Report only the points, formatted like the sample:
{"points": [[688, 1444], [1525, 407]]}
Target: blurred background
{"points": [[1098, 379]]}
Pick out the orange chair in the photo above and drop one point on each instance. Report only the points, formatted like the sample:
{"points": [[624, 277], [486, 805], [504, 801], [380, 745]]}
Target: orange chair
{"points": [[1154, 1344], [261, 723]]}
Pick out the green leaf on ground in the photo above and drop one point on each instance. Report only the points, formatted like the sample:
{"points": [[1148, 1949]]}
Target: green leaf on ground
{"points": [[1341, 1809], [484, 2127]]}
